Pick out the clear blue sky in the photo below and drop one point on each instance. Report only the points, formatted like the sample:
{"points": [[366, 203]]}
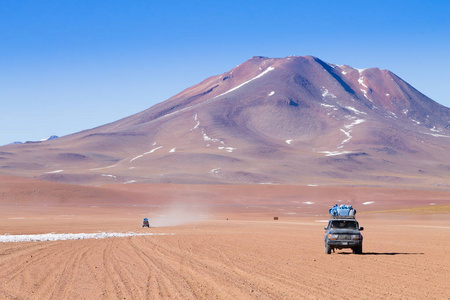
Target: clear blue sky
{"points": [[71, 65]]}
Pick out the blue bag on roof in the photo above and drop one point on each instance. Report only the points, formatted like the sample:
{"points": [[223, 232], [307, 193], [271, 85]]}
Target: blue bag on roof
{"points": [[342, 210], [333, 211]]}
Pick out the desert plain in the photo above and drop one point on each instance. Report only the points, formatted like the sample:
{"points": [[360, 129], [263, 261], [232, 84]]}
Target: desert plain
{"points": [[220, 242]]}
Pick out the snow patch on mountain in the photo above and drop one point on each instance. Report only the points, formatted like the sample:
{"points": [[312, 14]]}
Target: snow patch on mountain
{"points": [[355, 110], [109, 175], [206, 138], [101, 168], [198, 122], [334, 153], [53, 172], [134, 158], [228, 149], [215, 171], [361, 81], [436, 135], [326, 93], [153, 150], [348, 133], [242, 84], [49, 138], [368, 202], [141, 155]]}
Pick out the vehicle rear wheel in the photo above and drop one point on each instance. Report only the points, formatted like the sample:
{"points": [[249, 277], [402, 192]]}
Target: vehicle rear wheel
{"points": [[327, 249], [358, 249]]}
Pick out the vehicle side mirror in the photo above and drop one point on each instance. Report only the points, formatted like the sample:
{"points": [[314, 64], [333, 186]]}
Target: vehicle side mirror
{"points": [[361, 228], [326, 227]]}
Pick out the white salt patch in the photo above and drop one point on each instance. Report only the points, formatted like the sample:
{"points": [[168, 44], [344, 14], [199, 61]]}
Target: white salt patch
{"points": [[52, 172], [369, 202], [387, 95], [343, 72], [129, 181], [288, 142], [242, 84], [432, 203], [271, 93], [172, 150], [321, 221], [68, 236], [308, 202], [312, 185]]}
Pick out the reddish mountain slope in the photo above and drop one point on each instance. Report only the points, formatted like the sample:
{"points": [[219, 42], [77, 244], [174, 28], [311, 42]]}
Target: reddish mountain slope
{"points": [[295, 120]]}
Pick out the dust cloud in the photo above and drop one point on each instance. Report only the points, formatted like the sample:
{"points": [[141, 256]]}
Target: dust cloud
{"points": [[178, 215]]}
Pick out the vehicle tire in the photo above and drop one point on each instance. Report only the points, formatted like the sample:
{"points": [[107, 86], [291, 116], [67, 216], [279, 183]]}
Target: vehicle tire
{"points": [[358, 249], [327, 249]]}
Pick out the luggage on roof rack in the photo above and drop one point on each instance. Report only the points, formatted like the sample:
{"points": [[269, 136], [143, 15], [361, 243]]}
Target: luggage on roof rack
{"points": [[342, 211]]}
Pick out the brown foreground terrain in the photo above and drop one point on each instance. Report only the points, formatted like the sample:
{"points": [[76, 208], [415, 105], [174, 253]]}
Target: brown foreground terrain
{"points": [[215, 249]]}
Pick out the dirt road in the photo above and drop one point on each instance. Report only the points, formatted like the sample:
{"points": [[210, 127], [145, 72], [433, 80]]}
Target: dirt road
{"points": [[235, 259]]}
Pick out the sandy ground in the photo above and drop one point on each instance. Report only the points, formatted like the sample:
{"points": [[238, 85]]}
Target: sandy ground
{"points": [[205, 256], [405, 256]]}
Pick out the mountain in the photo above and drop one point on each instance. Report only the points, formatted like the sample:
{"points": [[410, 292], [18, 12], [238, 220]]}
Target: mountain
{"points": [[294, 120]]}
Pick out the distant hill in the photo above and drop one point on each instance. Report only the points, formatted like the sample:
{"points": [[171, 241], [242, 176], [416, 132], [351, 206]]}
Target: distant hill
{"points": [[52, 137]]}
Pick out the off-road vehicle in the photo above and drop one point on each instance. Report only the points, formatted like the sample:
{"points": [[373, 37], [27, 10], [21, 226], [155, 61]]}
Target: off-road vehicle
{"points": [[343, 232]]}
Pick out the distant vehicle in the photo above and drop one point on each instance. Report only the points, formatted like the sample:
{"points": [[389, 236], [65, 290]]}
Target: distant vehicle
{"points": [[343, 232], [145, 223]]}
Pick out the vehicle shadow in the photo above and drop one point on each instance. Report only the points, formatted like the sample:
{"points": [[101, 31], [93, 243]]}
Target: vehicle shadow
{"points": [[380, 253]]}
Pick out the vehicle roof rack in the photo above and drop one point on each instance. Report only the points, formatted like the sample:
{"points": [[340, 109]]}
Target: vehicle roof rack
{"points": [[342, 217]]}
